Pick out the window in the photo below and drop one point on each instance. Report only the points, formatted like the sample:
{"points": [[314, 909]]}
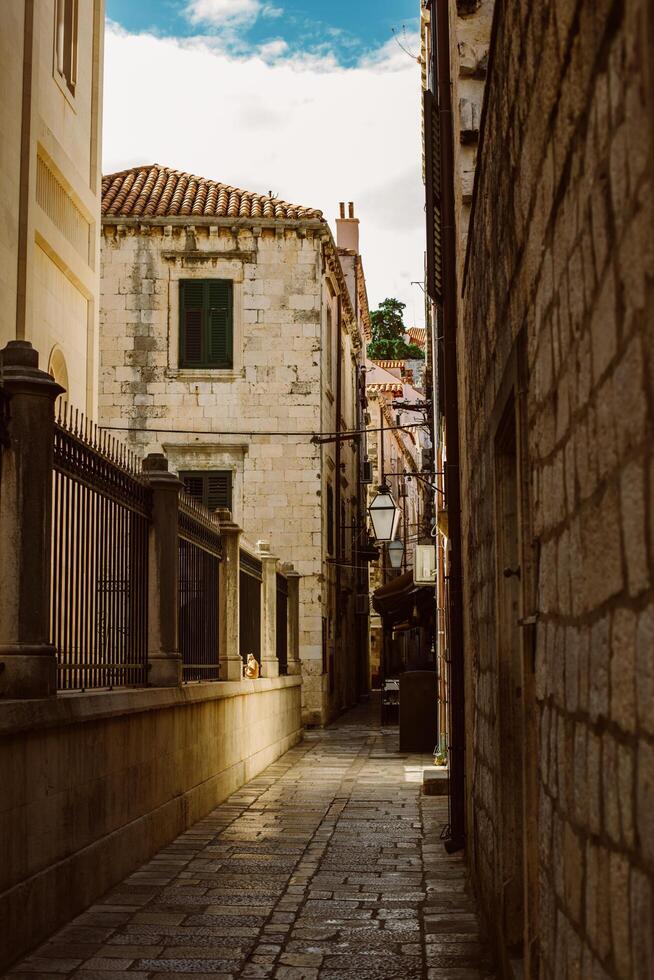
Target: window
{"points": [[328, 345], [330, 520], [343, 532], [206, 323], [211, 488], [66, 42]]}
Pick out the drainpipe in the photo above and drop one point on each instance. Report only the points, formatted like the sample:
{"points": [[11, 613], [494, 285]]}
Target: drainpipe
{"points": [[338, 629], [441, 48]]}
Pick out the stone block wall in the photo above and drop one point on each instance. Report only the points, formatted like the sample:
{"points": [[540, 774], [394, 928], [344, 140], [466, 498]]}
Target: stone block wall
{"points": [[243, 419], [558, 302], [95, 784]]}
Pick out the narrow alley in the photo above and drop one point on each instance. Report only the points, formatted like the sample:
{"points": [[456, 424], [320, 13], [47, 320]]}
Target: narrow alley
{"points": [[327, 865]]}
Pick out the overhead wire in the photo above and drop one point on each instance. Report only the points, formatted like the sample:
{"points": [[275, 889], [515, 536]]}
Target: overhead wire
{"points": [[344, 433]]}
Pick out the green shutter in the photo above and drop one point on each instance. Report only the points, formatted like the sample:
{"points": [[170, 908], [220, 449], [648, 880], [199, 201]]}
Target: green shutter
{"points": [[191, 306], [219, 304], [213, 489], [206, 323], [219, 490], [193, 485]]}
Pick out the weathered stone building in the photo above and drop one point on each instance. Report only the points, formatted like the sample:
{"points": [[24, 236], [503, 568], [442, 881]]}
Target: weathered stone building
{"points": [[51, 56], [230, 337], [393, 451], [552, 333]]}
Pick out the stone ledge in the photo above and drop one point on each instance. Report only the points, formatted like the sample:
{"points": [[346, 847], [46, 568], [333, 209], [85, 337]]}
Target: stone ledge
{"points": [[75, 708], [435, 781]]}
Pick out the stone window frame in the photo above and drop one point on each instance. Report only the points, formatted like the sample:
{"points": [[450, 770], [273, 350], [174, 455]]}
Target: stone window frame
{"points": [[211, 267], [66, 35], [187, 457]]}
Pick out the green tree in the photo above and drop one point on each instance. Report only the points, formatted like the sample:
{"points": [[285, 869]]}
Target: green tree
{"points": [[388, 330]]}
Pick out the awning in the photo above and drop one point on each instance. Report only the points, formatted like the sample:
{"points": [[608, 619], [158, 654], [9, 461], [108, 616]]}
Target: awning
{"points": [[401, 601]]}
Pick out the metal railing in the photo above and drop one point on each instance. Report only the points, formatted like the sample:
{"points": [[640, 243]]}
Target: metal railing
{"points": [[250, 578], [199, 559], [99, 581], [282, 623]]}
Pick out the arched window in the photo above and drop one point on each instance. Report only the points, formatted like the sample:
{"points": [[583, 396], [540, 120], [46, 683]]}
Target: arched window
{"points": [[59, 372]]}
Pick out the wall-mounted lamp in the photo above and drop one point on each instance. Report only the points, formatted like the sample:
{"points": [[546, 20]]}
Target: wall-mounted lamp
{"points": [[384, 514], [395, 553]]}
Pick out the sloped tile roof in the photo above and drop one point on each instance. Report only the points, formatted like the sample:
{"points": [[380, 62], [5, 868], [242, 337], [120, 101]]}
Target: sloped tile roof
{"points": [[418, 336], [377, 379], [394, 388], [159, 192]]}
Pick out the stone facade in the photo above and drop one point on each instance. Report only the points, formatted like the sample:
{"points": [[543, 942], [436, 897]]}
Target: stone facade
{"points": [[50, 196], [257, 418], [392, 451], [555, 389]]}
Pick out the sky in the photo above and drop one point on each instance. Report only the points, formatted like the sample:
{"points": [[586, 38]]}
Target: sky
{"points": [[314, 101]]}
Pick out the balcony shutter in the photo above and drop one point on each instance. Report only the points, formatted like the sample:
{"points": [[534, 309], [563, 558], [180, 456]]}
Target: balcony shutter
{"points": [[433, 195]]}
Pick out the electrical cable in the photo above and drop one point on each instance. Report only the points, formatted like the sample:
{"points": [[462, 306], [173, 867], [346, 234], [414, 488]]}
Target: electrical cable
{"points": [[344, 433]]}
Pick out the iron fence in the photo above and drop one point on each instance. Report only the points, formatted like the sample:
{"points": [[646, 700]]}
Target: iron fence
{"points": [[99, 581], [282, 623], [199, 559], [250, 578]]}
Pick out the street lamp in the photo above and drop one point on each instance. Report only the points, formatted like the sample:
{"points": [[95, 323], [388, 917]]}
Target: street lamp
{"points": [[395, 553], [384, 514]]}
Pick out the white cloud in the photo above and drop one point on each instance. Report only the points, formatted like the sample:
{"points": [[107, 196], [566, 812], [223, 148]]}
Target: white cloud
{"points": [[314, 132], [273, 49], [228, 12]]}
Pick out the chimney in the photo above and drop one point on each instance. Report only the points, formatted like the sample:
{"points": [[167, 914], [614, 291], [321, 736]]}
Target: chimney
{"points": [[347, 229]]}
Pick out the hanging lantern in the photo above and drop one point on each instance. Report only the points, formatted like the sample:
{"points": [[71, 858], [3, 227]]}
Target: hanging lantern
{"points": [[384, 514], [395, 553]]}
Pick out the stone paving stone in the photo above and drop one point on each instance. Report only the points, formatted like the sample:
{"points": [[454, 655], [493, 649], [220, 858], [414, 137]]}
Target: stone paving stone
{"points": [[327, 866]]}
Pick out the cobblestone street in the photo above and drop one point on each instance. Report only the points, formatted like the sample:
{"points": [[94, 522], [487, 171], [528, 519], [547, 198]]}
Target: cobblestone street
{"points": [[327, 865]]}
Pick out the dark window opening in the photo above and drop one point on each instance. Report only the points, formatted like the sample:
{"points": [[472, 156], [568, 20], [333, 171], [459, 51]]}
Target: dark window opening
{"points": [[66, 42], [211, 488]]}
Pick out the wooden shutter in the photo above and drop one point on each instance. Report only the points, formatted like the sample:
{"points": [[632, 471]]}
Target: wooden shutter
{"points": [[213, 488], [193, 485], [219, 322], [206, 323], [191, 310], [219, 490], [433, 195], [330, 520]]}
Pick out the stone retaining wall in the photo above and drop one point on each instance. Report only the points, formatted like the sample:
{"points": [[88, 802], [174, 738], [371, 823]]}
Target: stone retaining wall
{"points": [[94, 784]]}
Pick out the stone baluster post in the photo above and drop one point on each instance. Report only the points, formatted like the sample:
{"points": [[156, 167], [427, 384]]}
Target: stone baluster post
{"points": [[231, 664], [293, 579], [164, 658], [269, 661], [28, 666]]}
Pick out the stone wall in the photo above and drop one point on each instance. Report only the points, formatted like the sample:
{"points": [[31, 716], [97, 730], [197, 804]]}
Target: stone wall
{"points": [[245, 419], [49, 233], [556, 331], [94, 784]]}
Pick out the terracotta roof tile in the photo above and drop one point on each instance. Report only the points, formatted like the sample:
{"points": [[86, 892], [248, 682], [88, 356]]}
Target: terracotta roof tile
{"points": [[396, 389], [155, 191], [418, 335]]}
